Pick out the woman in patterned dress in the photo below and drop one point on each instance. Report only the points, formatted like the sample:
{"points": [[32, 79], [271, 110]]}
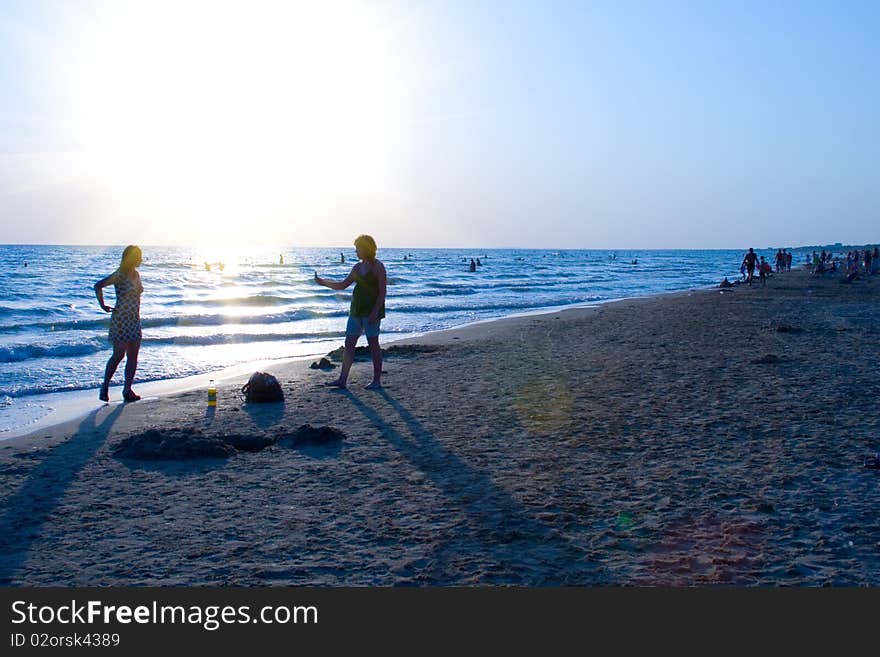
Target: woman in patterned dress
{"points": [[125, 320]]}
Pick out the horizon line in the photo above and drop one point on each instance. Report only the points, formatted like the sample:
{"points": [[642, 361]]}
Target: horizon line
{"points": [[447, 248]]}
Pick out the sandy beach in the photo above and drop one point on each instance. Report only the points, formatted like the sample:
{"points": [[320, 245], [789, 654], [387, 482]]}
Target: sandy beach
{"points": [[714, 437]]}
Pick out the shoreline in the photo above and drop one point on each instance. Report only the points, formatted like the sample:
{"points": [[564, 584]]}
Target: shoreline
{"points": [[70, 406], [701, 438]]}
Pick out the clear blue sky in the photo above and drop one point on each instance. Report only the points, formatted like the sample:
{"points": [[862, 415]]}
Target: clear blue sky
{"points": [[528, 124]]}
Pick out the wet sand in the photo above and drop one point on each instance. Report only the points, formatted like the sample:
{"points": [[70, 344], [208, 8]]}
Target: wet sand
{"points": [[702, 438]]}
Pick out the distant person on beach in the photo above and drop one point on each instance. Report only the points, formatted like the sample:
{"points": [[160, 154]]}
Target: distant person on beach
{"points": [[473, 266], [341, 258], [750, 261], [764, 270], [125, 320], [852, 261], [366, 311], [788, 261], [281, 259], [852, 268], [819, 269]]}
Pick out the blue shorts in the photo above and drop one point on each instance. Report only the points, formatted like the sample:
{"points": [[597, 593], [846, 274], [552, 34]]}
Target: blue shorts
{"points": [[358, 325]]}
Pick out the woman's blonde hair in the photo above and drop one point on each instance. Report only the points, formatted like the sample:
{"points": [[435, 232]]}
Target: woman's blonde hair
{"points": [[130, 258], [366, 244]]}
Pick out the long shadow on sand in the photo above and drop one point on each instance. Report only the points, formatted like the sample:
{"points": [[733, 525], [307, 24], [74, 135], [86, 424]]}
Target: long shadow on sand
{"points": [[265, 416], [503, 544], [29, 509]]}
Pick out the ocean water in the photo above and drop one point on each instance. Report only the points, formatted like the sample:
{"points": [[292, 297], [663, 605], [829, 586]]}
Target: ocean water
{"points": [[53, 335]]}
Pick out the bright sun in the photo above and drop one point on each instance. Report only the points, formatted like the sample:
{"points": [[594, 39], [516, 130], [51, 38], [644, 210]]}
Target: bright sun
{"points": [[214, 111]]}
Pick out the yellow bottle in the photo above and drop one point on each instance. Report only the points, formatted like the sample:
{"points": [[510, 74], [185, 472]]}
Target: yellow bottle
{"points": [[212, 393]]}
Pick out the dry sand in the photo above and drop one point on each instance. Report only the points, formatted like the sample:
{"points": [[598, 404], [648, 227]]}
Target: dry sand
{"points": [[644, 442]]}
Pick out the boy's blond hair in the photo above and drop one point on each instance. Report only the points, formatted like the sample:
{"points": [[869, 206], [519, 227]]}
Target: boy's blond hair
{"points": [[367, 244]]}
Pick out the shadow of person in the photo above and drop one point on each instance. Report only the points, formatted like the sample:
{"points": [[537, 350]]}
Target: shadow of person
{"points": [[265, 415], [210, 412], [30, 507], [501, 531]]}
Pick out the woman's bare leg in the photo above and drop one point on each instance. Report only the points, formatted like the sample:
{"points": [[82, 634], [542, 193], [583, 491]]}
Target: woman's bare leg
{"points": [[376, 353], [131, 362], [110, 370], [347, 360]]}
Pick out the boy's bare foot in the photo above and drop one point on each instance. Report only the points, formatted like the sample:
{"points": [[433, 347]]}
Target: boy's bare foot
{"points": [[373, 385], [104, 395], [336, 384]]}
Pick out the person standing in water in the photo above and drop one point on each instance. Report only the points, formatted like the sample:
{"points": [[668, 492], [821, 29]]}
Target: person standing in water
{"points": [[125, 320], [366, 311]]}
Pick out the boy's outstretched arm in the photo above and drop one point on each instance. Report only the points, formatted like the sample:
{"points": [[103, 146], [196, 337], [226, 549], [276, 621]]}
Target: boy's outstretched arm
{"points": [[336, 285]]}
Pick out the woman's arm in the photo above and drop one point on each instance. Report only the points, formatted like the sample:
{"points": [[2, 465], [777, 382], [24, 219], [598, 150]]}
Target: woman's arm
{"points": [[379, 269], [336, 285], [99, 291]]}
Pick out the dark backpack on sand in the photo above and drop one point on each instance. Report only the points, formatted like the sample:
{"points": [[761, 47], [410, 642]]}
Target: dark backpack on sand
{"points": [[262, 387]]}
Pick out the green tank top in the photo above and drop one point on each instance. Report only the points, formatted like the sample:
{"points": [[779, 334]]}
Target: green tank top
{"points": [[363, 299]]}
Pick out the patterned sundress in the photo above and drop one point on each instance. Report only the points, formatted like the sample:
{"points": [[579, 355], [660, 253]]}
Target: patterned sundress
{"points": [[125, 322]]}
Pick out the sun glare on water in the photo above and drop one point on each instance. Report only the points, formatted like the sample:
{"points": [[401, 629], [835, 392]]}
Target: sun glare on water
{"points": [[236, 114]]}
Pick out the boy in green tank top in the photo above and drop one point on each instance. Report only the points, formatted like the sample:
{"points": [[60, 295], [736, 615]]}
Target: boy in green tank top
{"points": [[366, 311]]}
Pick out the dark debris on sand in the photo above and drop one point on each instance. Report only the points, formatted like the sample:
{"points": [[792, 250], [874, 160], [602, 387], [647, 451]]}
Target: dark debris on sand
{"points": [[190, 443], [363, 353], [249, 443], [172, 444], [186, 443], [309, 435]]}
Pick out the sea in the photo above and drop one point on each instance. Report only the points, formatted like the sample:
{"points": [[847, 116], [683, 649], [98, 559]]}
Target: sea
{"points": [[203, 311]]}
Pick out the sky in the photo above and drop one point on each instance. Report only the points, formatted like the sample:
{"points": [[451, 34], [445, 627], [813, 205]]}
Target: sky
{"points": [[541, 124]]}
